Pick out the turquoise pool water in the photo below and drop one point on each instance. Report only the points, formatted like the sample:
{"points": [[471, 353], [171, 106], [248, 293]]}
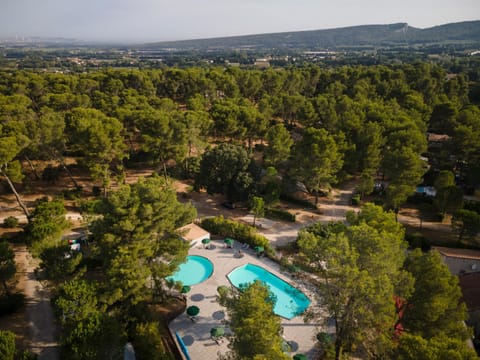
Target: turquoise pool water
{"points": [[291, 302], [197, 269]]}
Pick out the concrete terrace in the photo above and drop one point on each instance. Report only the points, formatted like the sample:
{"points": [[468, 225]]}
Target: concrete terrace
{"points": [[196, 335]]}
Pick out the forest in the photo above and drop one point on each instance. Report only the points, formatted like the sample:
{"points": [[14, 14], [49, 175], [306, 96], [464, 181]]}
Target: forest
{"points": [[247, 134]]}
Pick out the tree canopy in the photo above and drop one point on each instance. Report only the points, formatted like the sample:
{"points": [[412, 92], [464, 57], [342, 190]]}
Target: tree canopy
{"points": [[361, 271], [256, 328], [137, 240]]}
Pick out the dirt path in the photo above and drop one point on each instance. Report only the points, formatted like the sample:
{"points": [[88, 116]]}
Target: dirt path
{"points": [[42, 330]]}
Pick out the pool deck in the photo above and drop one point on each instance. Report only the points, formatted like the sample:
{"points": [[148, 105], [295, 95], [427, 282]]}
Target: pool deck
{"points": [[196, 335]]}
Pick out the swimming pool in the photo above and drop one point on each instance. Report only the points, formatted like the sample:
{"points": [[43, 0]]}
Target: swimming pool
{"points": [[290, 302], [197, 269]]}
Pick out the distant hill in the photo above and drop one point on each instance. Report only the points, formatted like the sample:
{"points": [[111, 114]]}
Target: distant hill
{"points": [[355, 36]]}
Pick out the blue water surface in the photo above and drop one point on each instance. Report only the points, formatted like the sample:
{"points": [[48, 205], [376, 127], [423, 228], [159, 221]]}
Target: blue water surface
{"points": [[290, 302], [197, 269]]}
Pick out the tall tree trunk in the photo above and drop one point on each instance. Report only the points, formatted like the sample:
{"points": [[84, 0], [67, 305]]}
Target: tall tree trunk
{"points": [[338, 349], [19, 200], [64, 166], [32, 167], [164, 165]]}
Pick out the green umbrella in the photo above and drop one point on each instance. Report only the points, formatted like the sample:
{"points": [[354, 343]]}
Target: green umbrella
{"points": [[193, 310], [300, 357], [259, 249], [217, 331], [229, 241], [206, 241], [185, 289]]}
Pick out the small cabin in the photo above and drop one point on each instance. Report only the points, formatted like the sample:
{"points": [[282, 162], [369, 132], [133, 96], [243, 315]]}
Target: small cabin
{"points": [[193, 233]]}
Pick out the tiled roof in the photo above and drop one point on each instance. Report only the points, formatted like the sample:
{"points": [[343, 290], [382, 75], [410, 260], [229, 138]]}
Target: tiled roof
{"points": [[458, 253], [192, 231]]}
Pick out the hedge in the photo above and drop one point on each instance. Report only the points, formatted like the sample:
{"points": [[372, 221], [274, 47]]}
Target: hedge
{"points": [[279, 214], [305, 203], [244, 233], [10, 222]]}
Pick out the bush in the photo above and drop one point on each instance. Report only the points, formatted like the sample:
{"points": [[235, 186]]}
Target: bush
{"points": [[72, 194], [26, 355], [244, 233], [355, 200], [7, 345], [10, 222], [148, 342], [90, 206], [279, 214], [179, 171], [48, 220], [305, 203], [10, 303]]}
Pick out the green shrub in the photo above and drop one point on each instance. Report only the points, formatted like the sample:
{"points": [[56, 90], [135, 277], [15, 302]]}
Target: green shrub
{"points": [[90, 206], [224, 227], [279, 214], [355, 199], [72, 194], [305, 203], [26, 355], [148, 342], [7, 345], [10, 222], [186, 169], [47, 221]]}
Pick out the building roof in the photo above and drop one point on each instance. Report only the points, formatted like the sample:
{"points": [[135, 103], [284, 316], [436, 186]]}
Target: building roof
{"points": [[192, 232], [458, 253]]}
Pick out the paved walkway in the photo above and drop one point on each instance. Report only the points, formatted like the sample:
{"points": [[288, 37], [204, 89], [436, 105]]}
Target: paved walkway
{"points": [[41, 320], [196, 335]]}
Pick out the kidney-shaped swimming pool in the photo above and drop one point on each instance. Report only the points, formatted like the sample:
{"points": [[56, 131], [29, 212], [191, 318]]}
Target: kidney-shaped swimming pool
{"points": [[197, 269], [290, 302]]}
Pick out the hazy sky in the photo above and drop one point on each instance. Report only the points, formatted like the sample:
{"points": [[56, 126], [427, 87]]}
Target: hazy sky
{"points": [[156, 20]]}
